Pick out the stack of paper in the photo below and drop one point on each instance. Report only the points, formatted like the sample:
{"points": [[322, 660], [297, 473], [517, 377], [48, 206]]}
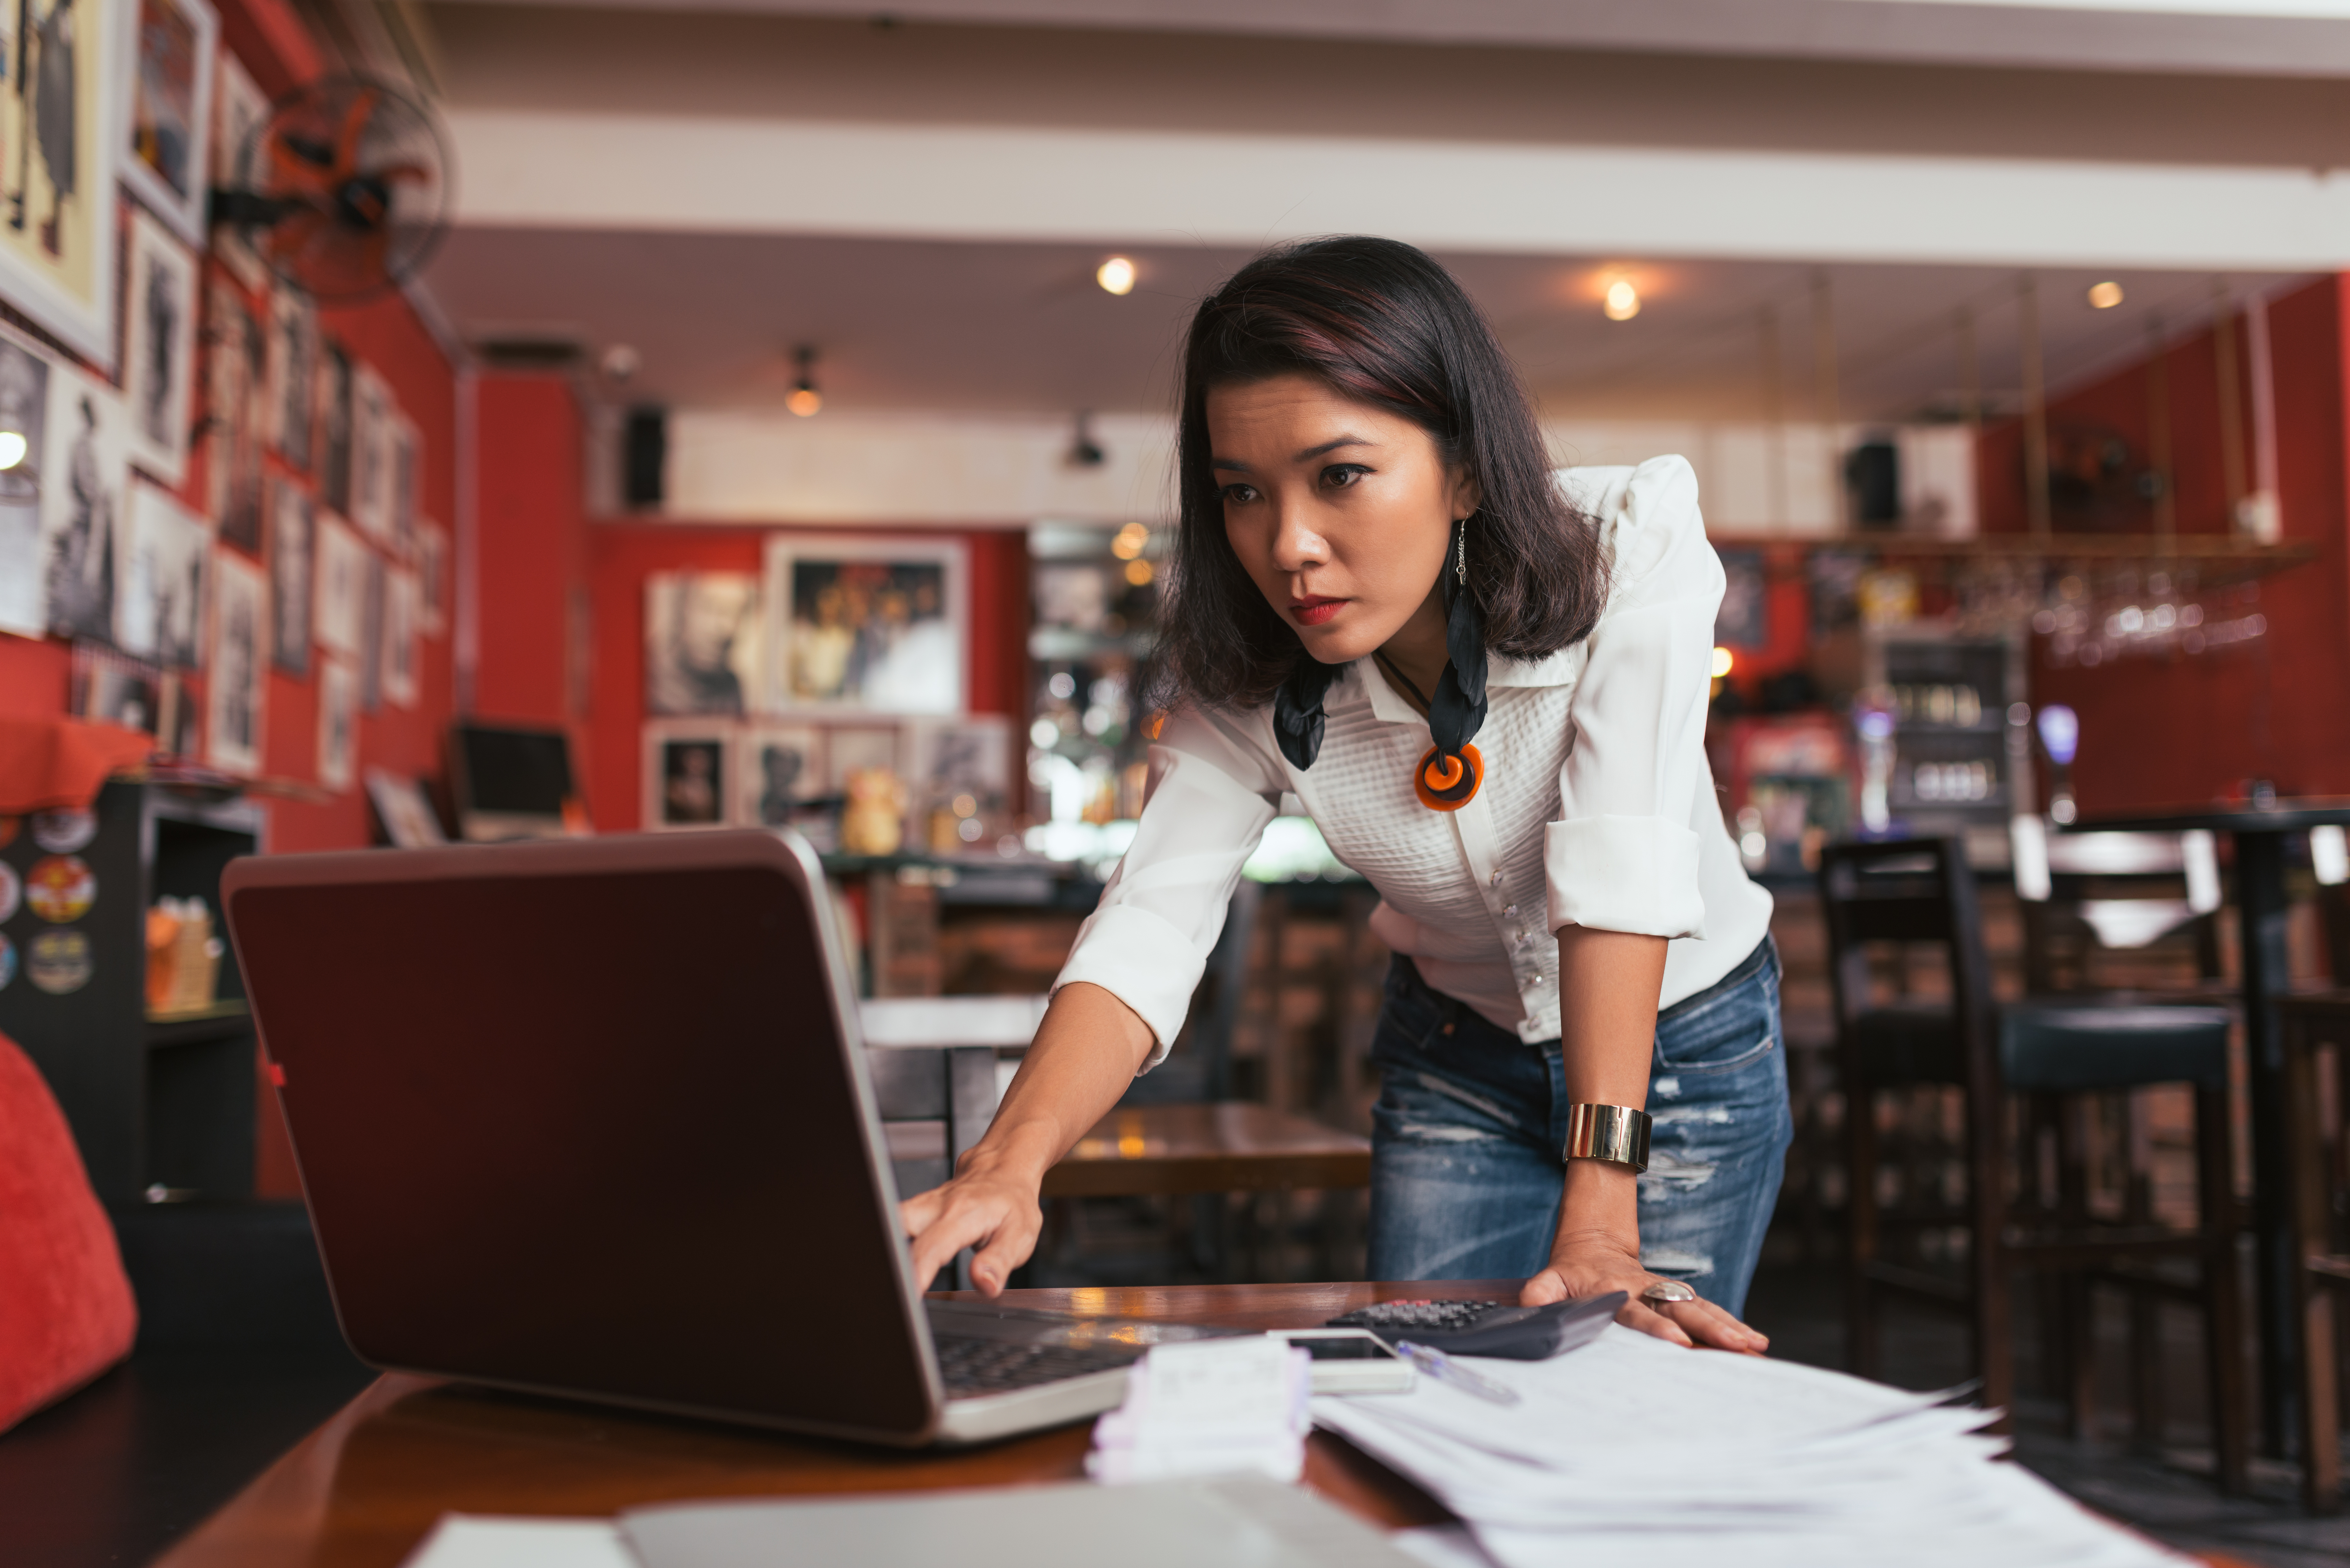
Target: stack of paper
{"points": [[1208, 1408], [1634, 1450]]}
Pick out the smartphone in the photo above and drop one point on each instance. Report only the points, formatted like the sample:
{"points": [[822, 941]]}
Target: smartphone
{"points": [[1350, 1361]]}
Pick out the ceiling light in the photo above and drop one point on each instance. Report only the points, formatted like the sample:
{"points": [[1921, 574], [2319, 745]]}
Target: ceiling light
{"points": [[1115, 275], [2104, 296], [1130, 541], [805, 400], [1622, 301], [1723, 661], [13, 449]]}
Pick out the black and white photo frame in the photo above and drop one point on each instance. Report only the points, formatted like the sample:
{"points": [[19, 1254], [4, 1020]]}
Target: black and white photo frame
{"points": [[689, 774], [158, 349]]}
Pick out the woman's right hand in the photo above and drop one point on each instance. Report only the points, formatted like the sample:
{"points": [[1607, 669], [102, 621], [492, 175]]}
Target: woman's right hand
{"points": [[1086, 1052], [985, 1206]]}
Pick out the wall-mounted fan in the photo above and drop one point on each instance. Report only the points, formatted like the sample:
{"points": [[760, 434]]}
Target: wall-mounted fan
{"points": [[346, 189]]}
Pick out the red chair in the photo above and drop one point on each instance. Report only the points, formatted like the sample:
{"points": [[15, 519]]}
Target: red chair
{"points": [[64, 1298]]}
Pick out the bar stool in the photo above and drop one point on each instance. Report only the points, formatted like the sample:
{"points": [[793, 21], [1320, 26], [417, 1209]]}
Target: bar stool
{"points": [[2055, 1049], [2322, 1223]]}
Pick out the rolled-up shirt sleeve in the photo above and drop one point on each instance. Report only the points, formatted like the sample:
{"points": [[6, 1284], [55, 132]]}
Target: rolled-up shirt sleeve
{"points": [[1147, 942], [1623, 856]]}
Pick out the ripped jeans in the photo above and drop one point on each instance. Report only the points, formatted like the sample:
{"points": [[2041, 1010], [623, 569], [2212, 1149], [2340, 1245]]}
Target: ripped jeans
{"points": [[1465, 1169]]}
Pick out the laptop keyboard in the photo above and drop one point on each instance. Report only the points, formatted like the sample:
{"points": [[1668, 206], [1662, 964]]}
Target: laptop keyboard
{"points": [[973, 1366]]}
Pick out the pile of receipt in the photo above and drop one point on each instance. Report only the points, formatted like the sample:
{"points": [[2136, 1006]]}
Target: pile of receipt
{"points": [[1631, 1449]]}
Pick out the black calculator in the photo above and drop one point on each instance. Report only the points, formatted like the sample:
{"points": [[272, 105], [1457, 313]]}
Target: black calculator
{"points": [[1503, 1329]]}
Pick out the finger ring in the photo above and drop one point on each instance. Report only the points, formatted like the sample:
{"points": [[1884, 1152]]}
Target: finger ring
{"points": [[1667, 1291]]}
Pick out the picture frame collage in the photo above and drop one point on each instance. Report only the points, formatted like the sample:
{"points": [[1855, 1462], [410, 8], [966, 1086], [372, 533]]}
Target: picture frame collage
{"points": [[954, 774], [773, 698], [185, 509]]}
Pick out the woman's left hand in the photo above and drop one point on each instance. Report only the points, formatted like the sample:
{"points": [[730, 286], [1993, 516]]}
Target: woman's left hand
{"points": [[1581, 1268]]}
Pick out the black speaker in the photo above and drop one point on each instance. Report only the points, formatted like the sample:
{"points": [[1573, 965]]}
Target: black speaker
{"points": [[1874, 473], [644, 458]]}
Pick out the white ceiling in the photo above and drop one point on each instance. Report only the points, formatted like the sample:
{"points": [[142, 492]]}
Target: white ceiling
{"points": [[2293, 37], [1023, 327], [712, 183]]}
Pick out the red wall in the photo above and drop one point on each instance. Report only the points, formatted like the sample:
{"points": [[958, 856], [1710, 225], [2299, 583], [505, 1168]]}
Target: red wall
{"points": [[2181, 730], [623, 555], [387, 333], [529, 550]]}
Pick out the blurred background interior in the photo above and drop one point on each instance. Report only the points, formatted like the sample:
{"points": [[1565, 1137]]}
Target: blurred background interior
{"points": [[757, 412]]}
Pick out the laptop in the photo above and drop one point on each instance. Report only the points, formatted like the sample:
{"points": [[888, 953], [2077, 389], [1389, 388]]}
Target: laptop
{"points": [[592, 1118]]}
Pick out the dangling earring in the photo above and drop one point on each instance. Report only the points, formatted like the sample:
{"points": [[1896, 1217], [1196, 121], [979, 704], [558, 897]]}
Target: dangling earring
{"points": [[1448, 776]]}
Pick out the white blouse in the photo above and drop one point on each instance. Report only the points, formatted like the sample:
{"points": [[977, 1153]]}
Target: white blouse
{"points": [[1597, 807]]}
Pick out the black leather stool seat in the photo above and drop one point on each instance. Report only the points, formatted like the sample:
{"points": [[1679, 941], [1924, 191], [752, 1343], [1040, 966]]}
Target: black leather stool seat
{"points": [[2053, 1047]]}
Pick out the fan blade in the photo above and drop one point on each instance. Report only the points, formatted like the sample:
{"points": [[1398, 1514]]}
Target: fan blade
{"points": [[355, 119]]}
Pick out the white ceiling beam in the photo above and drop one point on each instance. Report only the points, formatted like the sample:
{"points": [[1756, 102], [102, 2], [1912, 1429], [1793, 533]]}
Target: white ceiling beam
{"points": [[2282, 38], [546, 169]]}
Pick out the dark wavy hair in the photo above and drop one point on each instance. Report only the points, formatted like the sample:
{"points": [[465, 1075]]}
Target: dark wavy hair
{"points": [[1381, 323]]}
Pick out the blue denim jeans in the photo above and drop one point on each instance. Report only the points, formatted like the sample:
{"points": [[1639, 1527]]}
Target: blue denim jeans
{"points": [[1465, 1169]]}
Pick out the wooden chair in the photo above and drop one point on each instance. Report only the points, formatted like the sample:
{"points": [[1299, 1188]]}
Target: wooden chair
{"points": [[2313, 1025], [2055, 1052]]}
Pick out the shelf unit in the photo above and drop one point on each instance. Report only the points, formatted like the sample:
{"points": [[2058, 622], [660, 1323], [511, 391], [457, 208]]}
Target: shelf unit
{"points": [[158, 1106], [1959, 765]]}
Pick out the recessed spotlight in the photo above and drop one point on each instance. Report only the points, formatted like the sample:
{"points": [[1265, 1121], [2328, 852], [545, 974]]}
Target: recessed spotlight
{"points": [[1622, 301], [1115, 275], [805, 400], [2104, 296]]}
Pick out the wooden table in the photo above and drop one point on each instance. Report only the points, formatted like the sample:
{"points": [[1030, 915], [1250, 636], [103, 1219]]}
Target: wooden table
{"points": [[365, 1488], [2259, 832], [1228, 1146]]}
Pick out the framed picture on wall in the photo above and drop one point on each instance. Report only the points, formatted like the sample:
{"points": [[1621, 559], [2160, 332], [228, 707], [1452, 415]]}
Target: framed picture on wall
{"points": [[333, 455], [25, 408], [240, 658], [160, 612], [159, 352], [293, 559], [234, 413], [339, 722], [403, 474], [432, 579], [293, 373], [83, 477], [689, 772], [399, 675], [342, 587], [239, 108], [167, 158], [373, 414], [63, 101], [871, 624], [702, 642], [782, 767]]}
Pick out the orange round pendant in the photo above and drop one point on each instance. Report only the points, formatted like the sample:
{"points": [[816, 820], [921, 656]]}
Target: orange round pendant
{"points": [[1447, 783]]}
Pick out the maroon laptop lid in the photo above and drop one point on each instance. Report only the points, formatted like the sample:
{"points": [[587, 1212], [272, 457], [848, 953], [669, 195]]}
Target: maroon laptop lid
{"points": [[589, 1117]]}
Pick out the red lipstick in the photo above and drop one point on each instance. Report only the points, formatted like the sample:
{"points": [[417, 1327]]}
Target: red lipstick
{"points": [[1312, 609]]}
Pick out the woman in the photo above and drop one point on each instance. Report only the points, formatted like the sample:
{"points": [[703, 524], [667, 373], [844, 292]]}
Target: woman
{"points": [[1488, 686]]}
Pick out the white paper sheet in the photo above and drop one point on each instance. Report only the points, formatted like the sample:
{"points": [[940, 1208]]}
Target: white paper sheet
{"points": [[1632, 1445], [482, 1540]]}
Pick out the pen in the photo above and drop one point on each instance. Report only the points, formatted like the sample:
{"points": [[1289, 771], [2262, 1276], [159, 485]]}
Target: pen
{"points": [[1444, 1369]]}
